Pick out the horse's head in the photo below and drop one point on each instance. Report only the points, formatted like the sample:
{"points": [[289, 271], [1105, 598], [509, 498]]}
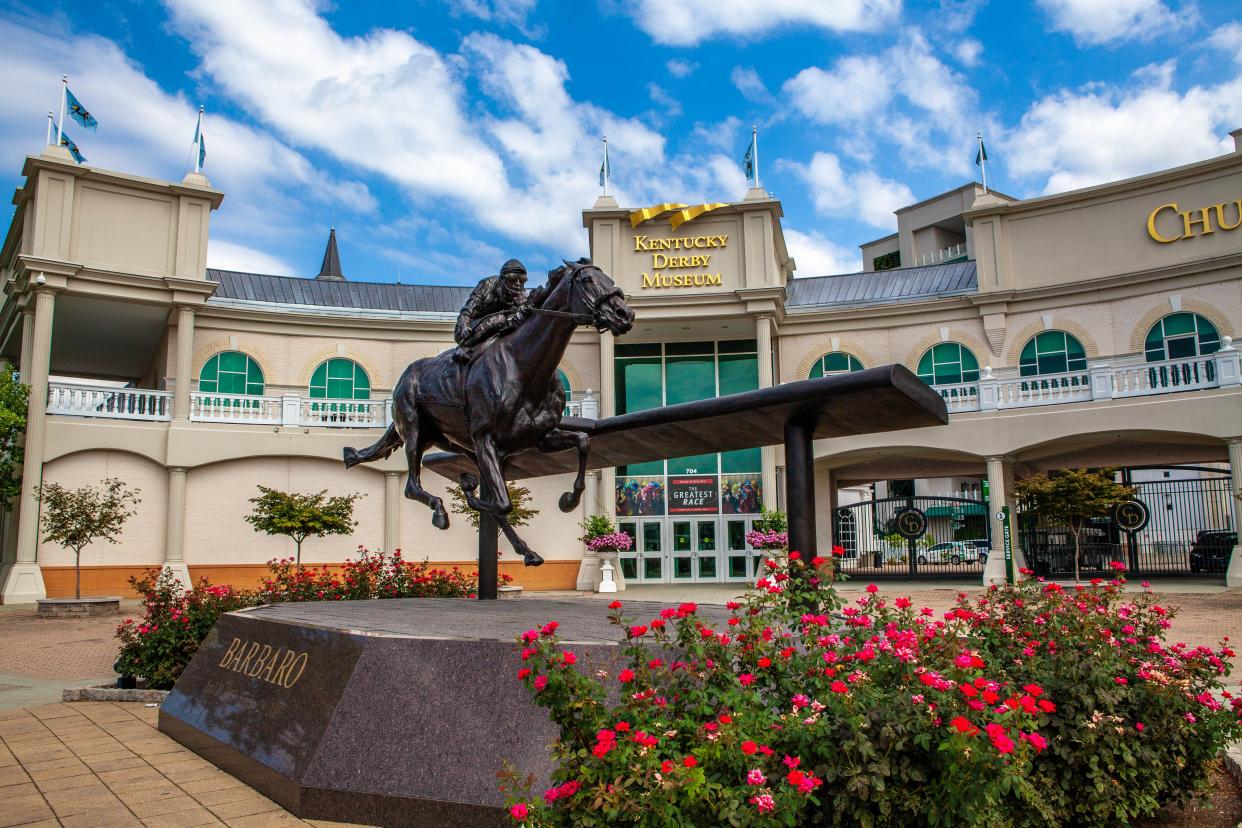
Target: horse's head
{"points": [[592, 295]]}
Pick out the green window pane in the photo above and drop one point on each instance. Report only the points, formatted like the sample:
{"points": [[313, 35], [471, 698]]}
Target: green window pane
{"points": [[231, 372], [651, 537], [652, 568], [1179, 323], [706, 541], [340, 379], [681, 536], [639, 384], [655, 468], [738, 373], [837, 362], [1052, 352], [232, 361], [560, 375], [683, 348], [639, 350], [689, 378], [707, 567], [629, 568], [1181, 336], [926, 371], [737, 566], [743, 461], [737, 539], [682, 567]]}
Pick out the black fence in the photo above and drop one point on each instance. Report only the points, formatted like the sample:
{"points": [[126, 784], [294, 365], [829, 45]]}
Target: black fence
{"points": [[1186, 531], [913, 537]]}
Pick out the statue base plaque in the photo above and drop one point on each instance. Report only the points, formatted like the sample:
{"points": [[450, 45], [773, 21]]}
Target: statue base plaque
{"points": [[396, 712]]}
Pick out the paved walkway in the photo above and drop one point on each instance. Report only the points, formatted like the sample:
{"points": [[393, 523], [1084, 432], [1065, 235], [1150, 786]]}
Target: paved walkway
{"points": [[105, 764]]}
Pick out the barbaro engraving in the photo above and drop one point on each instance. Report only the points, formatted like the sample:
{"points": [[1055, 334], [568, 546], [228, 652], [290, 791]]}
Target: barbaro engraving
{"points": [[275, 665]]}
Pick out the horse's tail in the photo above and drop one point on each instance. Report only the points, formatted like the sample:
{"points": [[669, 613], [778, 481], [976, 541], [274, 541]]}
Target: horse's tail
{"points": [[386, 445]]}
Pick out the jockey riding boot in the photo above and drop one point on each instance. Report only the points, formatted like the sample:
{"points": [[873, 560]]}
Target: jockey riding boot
{"points": [[462, 355]]}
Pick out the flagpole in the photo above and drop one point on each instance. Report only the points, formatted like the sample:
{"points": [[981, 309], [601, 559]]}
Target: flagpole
{"points": [[51, 119], [754, 139], [64, 92], [198, 140], [607, 172], [983, 162]]}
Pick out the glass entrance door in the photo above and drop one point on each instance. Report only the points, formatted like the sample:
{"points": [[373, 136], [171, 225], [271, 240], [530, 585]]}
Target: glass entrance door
{"points": [[707, 549], [681, 557], [739, 558], [644, 562]]}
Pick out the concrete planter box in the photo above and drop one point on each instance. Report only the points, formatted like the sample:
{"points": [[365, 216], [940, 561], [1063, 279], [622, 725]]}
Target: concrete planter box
{"points": [[79, 607], [110, 692]]}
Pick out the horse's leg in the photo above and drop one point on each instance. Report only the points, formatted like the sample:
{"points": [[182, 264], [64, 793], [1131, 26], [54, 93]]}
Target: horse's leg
{"points": [[493, 479], [558, 440], [529, 556], [385, 446], [414, 490]]}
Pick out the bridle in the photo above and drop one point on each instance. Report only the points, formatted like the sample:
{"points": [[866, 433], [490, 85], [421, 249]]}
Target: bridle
{"points": [[579, 294]]}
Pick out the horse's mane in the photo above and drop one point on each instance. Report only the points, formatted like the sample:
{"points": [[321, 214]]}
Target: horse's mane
{"points": [[555, 276]]}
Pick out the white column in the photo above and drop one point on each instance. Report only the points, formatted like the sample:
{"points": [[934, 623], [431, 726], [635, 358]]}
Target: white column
{"points": [[1233, 572], [174, 541], [392, 511], [767, 457], [588, 570], [185, 363], [994, 569], [22, 581]]}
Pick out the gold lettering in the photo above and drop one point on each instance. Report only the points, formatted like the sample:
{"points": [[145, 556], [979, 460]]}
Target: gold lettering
{"points": [[658, 260], [713, 278], [258, 663], [1204, 220], [245, 662], [1151, 224], [271, 665], [283, 670], [1220, 215], [233, 648], [300, 663], [648, 281], [640, 243]]}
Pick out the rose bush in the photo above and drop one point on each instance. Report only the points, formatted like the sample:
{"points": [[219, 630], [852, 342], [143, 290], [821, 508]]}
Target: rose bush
{"points": [[174, 621], [1022, 708]]}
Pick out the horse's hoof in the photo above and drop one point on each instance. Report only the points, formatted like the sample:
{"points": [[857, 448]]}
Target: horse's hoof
{"points": [[351, 458], [440, 520], [569, 501], [532, 558]]}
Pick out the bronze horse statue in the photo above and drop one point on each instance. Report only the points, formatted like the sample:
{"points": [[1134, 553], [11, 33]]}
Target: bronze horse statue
{"points": [[507, 400]]}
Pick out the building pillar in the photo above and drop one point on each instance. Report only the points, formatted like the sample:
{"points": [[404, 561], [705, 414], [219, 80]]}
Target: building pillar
{"points": [[392, 511], [174, 541], [185, 363], [588, 570], [1233, 571], [22, 581], [767, 455], [1000, 489], [607, 408]]}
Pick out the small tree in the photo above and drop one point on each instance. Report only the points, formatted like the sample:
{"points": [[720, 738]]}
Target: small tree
{"points": [[75, 517], [519, 496], [302, 516], [13, 400], [1073, 496]]}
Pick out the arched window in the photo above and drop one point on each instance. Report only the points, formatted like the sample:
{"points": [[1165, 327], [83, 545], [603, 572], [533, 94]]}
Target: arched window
{"points": [[1052, 352], [231, 372], [1181, 336], [340, 379], [569, 395], [948, 364], [837, 362]]}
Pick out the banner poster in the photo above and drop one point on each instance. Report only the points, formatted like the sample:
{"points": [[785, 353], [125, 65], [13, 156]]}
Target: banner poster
{"points": [[640, 496], [741, 494], [693, 495]]}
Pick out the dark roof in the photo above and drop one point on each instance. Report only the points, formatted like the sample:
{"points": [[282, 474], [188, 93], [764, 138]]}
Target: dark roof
{"points": [[292, 290], [884, 286], [330, 270]]}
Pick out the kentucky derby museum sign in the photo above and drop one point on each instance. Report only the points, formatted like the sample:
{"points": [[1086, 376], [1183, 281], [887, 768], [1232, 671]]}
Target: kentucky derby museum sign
{"points": [[686, 258]]}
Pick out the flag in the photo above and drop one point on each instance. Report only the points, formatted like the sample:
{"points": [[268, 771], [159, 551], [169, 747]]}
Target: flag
{"points": [[67, 143], [78, 112], [748, 160], [201, 141], [981, 155], [604, 172]]}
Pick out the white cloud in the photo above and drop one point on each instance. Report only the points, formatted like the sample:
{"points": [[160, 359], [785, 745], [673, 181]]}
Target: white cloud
{"points": [[1228, 38], [1095, 22], [724, 135], [679, 68], [967, 51], [686, 22], [904, 94], [227, 255], [1078, 138], [512, 12], [748, 82], [861, 195], [818, 256], [669, 106]]}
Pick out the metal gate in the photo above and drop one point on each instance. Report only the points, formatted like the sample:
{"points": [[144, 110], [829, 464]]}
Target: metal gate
{"points": [[913, 537], [1181, 526]]}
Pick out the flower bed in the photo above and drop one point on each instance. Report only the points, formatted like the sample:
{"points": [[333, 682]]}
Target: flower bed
{"points": [[175, 620], [1034, 705]]}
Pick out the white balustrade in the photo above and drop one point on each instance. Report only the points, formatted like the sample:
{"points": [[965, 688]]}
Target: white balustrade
{"points": [[345, 413], [234, 408], [1165, 377], [960, 397], [109, 402]]}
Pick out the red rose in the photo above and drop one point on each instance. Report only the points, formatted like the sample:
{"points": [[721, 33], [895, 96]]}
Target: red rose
{"points": [[689, 761], [625, 676]]}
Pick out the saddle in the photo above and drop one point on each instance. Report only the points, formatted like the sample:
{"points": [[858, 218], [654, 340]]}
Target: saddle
{"points": [[442, 387]]}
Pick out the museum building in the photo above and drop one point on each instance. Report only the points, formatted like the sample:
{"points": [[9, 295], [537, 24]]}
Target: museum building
{"points": [[1086, 328]]}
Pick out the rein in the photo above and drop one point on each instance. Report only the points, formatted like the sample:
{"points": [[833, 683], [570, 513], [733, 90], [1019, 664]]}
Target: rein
{"points": [[580, 318]]}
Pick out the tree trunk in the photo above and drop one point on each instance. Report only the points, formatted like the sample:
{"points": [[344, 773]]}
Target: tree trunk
{"points": [[77, 574], [299, 543]]}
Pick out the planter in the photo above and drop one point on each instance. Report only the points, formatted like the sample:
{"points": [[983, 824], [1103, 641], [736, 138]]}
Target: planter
{"points": [[79, 607], [126, 682]]}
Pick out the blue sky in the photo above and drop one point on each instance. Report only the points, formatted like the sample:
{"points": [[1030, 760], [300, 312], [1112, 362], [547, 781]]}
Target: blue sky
{"points": [[446, 137]]}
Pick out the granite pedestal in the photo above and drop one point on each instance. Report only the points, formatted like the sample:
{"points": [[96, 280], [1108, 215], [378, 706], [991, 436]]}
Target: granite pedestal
{"points": [[395, 712]]}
